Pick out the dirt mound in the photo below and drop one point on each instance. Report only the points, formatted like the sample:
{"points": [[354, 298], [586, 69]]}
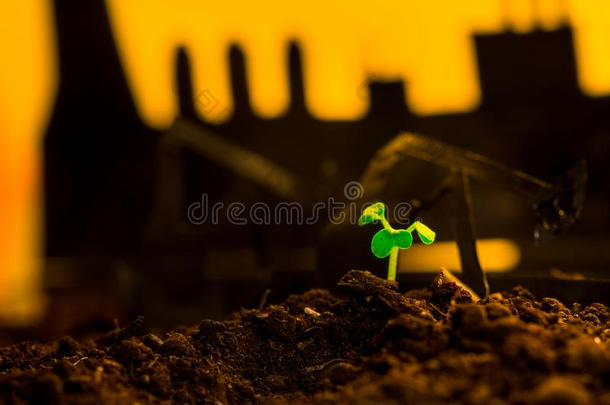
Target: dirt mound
{"points": [[370, 345]]}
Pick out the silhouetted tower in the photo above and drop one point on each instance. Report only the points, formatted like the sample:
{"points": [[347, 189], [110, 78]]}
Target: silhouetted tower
{"points": [[532, 68], [96, 193], [184, 84], [239, 84], [295, 80], [388, 105]]}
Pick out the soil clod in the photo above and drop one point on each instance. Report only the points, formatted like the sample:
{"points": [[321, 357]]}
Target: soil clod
{"points": [[372, 344]]}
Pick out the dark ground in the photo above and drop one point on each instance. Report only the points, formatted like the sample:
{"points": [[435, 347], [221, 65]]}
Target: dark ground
{"points": [[370, 345]]}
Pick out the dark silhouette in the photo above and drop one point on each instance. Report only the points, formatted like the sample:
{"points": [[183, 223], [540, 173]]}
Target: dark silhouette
{"points": [[105, 170]]}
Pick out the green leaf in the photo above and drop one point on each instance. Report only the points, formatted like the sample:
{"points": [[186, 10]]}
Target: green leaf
{"points": [[366, 219], [426, 234], [372, 213], [403, 239], [382, 243], [385, 240]]}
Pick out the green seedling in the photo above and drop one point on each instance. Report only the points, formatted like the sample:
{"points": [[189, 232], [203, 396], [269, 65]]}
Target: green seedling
{"points": [[388, 241]]}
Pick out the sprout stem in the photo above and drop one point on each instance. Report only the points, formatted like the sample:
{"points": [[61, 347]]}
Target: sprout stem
{"points": [[388, 241], [386, 224], [392, 263]]}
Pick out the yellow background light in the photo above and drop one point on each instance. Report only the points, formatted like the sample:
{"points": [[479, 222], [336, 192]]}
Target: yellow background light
{"points": [[495, 255], [28, 80], [427, 43]]}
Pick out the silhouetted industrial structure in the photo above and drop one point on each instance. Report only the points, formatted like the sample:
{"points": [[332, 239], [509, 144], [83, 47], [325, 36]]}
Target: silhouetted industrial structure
{"points": [[102, 163]]}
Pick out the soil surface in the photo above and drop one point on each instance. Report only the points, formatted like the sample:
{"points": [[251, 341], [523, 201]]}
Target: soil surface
{"points": [[369, 345]]}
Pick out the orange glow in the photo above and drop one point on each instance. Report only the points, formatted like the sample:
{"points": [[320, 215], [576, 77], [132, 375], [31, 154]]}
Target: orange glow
{"points": [[27, 85], [591, 32], [495, 255], [427, 43]]}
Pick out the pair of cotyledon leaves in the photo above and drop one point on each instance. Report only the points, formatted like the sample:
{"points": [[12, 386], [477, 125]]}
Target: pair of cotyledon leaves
{"points": [[388, 238]]}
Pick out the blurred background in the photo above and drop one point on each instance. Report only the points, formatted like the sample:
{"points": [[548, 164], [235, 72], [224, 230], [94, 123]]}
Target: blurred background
{"points": [[116, 117]]}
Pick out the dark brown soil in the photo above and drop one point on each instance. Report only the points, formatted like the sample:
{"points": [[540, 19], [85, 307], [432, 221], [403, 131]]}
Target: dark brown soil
{"points": [[373, 345]]}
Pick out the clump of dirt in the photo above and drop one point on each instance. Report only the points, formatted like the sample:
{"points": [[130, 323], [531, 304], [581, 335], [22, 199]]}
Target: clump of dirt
{"points": [[373, 344]]}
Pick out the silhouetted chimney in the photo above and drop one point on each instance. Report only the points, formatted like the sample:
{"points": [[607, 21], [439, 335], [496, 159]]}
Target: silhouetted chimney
{"points": [[93, 127], [295, 74], [239, 83], [387, 100], [184, 85]]}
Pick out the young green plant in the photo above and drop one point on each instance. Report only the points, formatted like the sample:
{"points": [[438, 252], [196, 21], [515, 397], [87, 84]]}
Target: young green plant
{"points": [[388, 241]]}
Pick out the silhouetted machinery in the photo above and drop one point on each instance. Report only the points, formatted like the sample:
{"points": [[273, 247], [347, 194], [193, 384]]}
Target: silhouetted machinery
{"points": [[117, 192]]}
